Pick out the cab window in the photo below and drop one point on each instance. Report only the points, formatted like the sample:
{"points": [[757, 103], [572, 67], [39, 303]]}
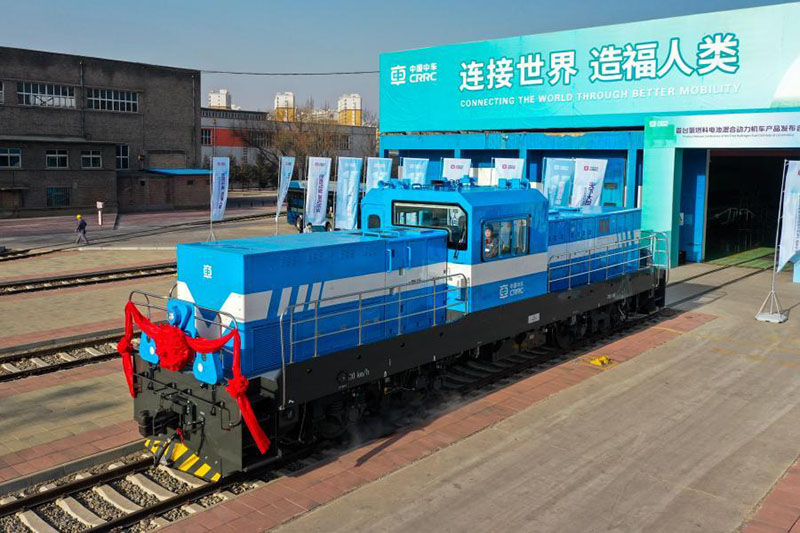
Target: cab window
{"points": [[450, 218], [504, 238]]}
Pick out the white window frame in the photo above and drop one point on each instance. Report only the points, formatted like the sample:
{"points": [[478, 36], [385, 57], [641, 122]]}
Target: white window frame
{"points": [[115, 100], [126, 158], [93, 156], [513, 237], [58, 155], [7, 152], [36, 94]]}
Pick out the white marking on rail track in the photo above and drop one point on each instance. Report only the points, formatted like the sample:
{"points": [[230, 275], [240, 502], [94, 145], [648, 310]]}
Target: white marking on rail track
{"points": [[7, 499], [35, 523], [8, 367], [93, 351], [79, 512], [150, 486], [116, 499], [66, 357], [193, 508], [183, 477], [225, 495], [38, 362]]}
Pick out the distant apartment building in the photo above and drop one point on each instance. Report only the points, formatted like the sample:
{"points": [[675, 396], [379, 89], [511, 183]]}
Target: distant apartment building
{"points": [[75, 130], [220, 99], [348, 110], [284, 108], [238, 134]]}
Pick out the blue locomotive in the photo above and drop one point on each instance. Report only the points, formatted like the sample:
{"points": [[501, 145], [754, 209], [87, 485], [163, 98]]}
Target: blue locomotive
{"points": [[330, 324]]}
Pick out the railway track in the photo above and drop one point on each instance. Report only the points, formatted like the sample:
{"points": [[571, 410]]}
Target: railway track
{"points": [[72, 280], [137, 495], [59, 356]]}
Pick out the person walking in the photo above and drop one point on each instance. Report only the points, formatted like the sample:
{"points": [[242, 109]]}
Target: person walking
{"points": [[81, 230]]}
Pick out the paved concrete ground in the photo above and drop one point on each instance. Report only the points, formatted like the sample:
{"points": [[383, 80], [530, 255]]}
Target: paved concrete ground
{"points": [[689, 436], [38, 316], [45, 232], [75, 261]]}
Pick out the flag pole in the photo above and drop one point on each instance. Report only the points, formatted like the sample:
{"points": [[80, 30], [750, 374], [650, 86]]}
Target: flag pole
{"points": [[280, 188], [771, 310], [211, 236]]}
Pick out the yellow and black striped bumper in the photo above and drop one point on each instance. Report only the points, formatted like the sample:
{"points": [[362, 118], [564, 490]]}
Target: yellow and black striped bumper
{"points": [[181, 457]]}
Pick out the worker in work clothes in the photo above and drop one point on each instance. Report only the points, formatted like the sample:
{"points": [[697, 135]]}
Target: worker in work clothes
{"points": [[81, 230]]}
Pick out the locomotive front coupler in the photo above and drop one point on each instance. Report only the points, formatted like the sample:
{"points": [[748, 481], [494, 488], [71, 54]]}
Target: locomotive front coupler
{"points": [[171, 393]]}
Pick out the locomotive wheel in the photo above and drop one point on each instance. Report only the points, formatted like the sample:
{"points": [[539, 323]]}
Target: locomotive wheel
{"points": [[562, 335]]}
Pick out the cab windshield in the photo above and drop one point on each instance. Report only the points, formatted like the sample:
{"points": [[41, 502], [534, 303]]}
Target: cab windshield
{"points": [[450, 218]]}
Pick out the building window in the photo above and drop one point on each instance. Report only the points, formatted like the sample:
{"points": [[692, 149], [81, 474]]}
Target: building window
{"points": [[260, 138], [122, 156], [46, 95], [2, 94], [10, 158], [58, 196], [112, 100], [91, 159], [206, 136], [56, 159], [344, 142]]}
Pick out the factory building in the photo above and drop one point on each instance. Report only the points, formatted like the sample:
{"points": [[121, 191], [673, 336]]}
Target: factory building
{"points": [[694, 115], [72, 126], [241, 134]]}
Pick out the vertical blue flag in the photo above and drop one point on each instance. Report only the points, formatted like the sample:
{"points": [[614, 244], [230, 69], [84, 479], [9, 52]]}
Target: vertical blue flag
{"points": [[287, 168], [415, 170], [558, 180], [348, 180], [378, 169]]}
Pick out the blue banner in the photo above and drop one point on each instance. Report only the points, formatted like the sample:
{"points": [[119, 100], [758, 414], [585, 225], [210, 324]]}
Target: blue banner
{"points": [[287, 168], [219, 187], [558, 180], [415, 170], [348, 180], [378, 169]]}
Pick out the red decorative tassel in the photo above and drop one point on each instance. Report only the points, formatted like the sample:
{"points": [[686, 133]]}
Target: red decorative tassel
{"points": [[175, 350]]}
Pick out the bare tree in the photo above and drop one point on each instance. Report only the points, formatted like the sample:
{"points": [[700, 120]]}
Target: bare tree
{"points": [[314, 133]]}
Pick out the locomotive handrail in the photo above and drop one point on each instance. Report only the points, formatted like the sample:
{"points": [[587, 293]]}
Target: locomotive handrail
{"points": [[196, 316], [441, 285], [605, 253]]}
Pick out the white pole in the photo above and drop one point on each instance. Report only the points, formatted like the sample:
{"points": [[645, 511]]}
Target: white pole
{"points": [[774, 313], [335, 191], [211, 236], [305, 197]]}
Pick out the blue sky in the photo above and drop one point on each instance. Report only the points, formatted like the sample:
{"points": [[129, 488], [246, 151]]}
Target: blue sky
{"points": [[303, 35]]}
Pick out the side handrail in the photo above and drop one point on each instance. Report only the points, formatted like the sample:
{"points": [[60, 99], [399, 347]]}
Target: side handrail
{"points": [[451, 282], [606, 253]]}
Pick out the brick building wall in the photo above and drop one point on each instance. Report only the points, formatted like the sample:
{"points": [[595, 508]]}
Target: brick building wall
{"points": [[152, 113]]}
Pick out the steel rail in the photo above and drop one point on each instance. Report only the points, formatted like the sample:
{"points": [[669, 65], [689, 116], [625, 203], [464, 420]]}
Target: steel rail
{"points": [[85, 278]]}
